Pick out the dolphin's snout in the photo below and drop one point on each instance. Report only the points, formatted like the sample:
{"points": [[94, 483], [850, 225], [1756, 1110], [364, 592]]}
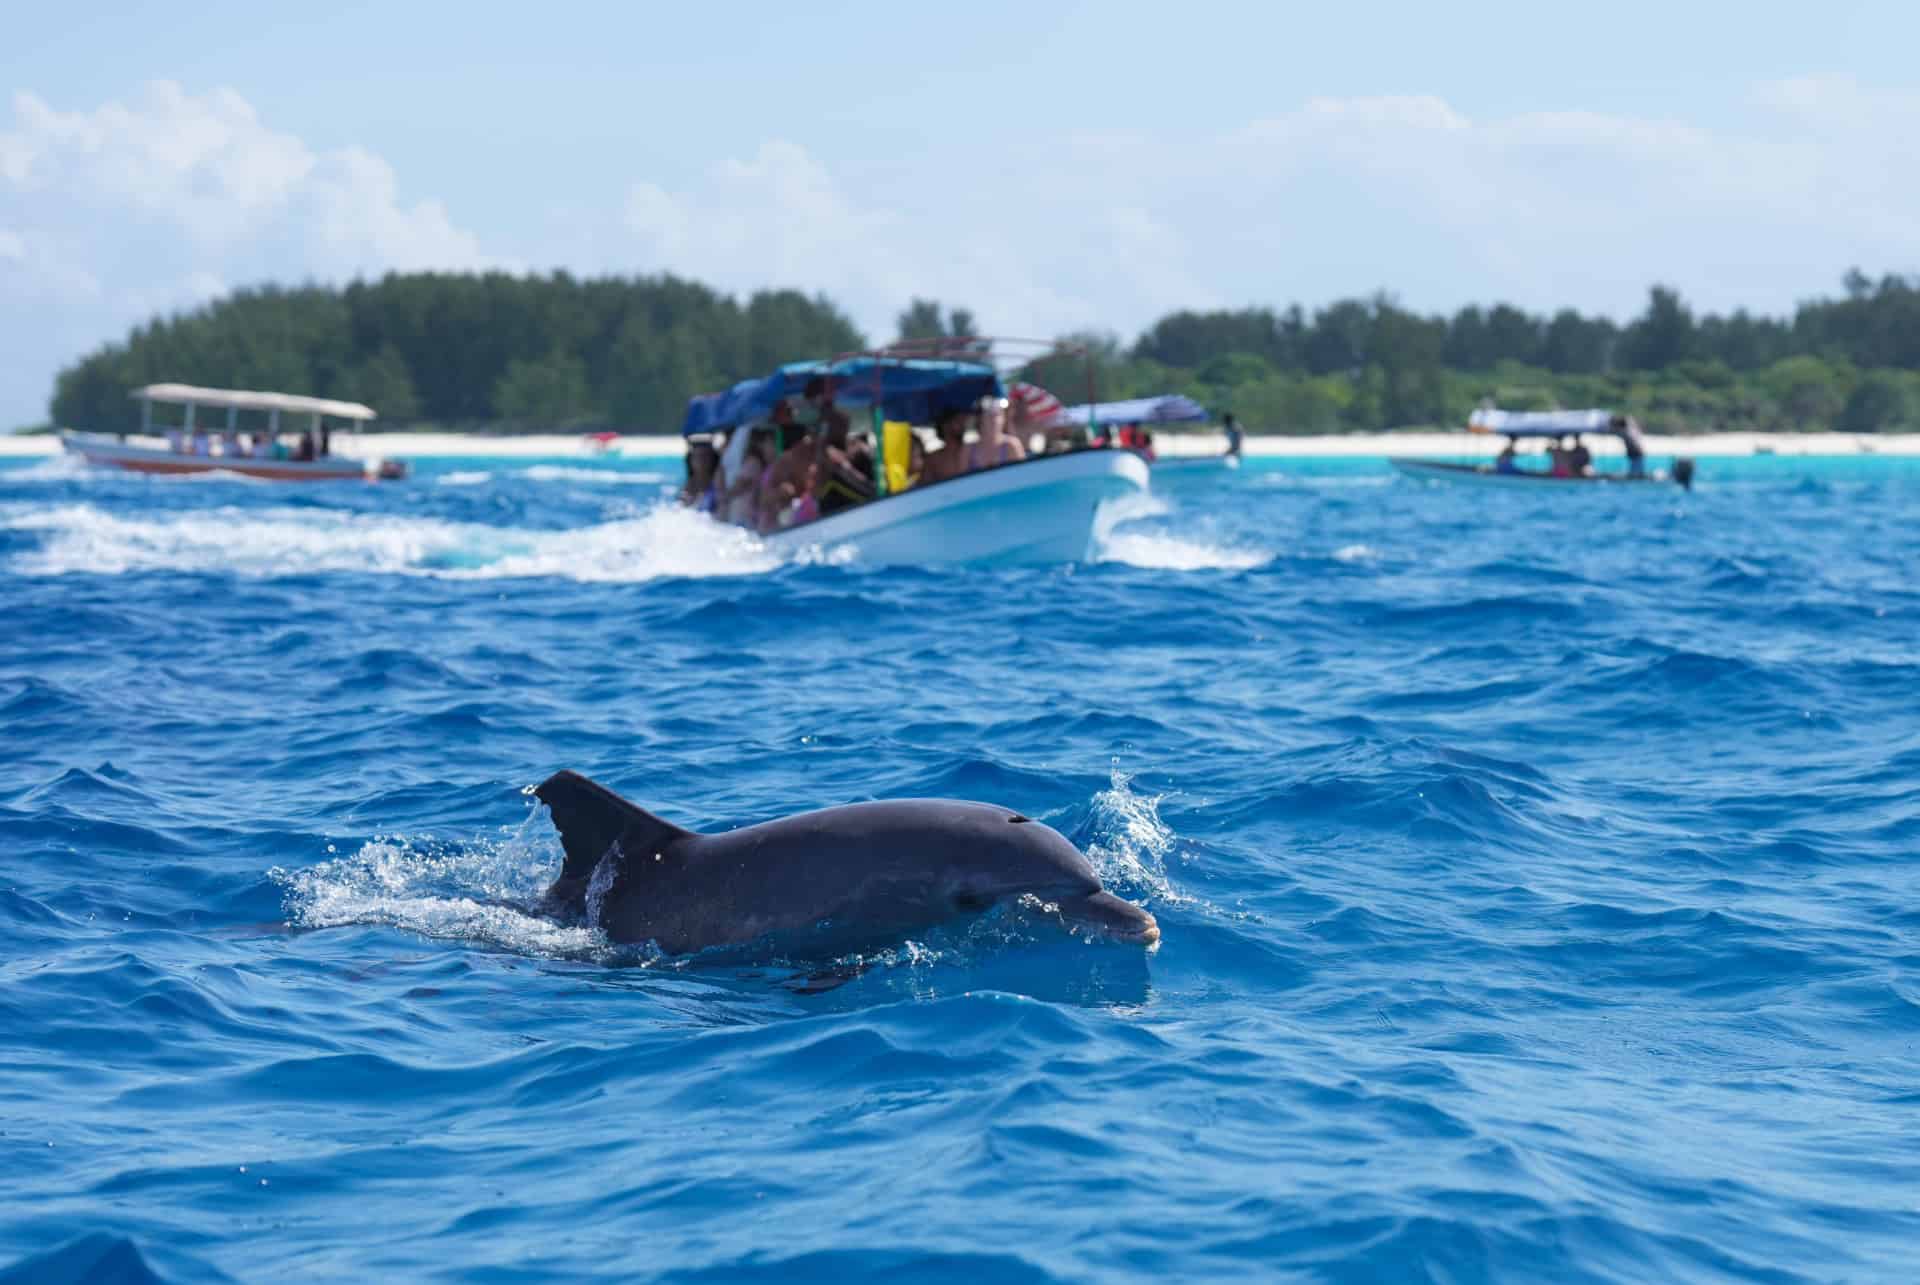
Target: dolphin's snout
{"points": [[1107, 914]]}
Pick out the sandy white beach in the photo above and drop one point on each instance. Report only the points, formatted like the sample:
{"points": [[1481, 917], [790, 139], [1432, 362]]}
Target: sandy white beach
{"points": [[1455, 444]]}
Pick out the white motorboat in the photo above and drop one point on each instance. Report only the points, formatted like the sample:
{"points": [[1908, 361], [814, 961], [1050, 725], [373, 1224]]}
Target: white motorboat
{"points": [[1040, 509]]}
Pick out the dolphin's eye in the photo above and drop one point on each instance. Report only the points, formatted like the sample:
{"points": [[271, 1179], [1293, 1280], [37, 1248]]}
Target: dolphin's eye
{"points": [[970, 902], [1017, 819]]}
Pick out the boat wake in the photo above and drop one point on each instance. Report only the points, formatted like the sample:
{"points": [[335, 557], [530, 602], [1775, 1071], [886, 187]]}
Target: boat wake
{"points": [[664, 540], [1161, 550]]}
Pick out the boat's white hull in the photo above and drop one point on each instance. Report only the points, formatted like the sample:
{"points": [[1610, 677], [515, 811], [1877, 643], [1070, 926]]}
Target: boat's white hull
{"points": [[1485, 475], [1039, 510], [105, 451]]}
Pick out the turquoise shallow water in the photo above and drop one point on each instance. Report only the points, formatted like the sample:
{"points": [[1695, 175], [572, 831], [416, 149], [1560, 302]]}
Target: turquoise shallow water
{"points": [[1537, 876]]}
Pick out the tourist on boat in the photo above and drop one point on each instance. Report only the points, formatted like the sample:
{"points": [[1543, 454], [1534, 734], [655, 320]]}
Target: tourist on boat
{"points": [[703, 466], [994, 447], [816, 401], [743, 486], [790, 480], [307, 446], [1232, 430], [1508, 460], [1636, 445], [1560, 456], [842, 482], [1580, 459], [201, 445], [1146, 445], [951, 459]]}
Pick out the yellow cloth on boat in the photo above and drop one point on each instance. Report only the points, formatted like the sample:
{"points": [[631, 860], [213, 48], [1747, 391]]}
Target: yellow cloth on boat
{"points": [[896, 444]]}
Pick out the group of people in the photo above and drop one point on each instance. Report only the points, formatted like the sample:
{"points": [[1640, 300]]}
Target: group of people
{"points": [[1569, 457], [259, 446], [807, 462]]}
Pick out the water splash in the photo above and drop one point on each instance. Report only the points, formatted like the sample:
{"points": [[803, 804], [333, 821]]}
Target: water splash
{"points": [[477, 891], [665, 540], [1161, 550], [1130, 843]]}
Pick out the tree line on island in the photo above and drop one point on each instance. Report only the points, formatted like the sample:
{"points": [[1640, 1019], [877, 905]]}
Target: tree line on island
{"points": [[501, 352]]}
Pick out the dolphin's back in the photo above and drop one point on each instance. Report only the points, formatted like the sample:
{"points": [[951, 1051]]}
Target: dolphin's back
{"points": [[591, 819]]}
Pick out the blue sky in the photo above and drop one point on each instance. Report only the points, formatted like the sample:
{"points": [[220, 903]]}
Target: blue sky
{"points": [[1049, 166]]}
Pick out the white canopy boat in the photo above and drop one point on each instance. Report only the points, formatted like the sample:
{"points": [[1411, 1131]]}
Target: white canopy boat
{"points": [[1040, 509], [1139, 412], [1505, 470], [194, 447]]}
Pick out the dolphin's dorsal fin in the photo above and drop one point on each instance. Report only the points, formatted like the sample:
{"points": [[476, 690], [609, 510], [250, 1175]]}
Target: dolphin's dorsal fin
{"points": [[590, 817]]}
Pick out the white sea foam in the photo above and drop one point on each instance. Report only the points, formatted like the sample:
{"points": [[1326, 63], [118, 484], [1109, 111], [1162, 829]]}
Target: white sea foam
{"points": [[469, 892], [1357, 553], [54, 468], [464, 477], [665, 540], [1160, 549], [592, 476]]}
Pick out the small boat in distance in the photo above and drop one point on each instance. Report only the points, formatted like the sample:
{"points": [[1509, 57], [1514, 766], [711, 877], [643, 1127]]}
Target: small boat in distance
{"points": [[1127, 424], [1571, 465], [266, 452]]}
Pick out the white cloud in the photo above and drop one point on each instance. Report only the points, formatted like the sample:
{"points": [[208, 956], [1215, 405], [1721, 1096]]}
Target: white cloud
{"points": [[1337, 197], [128, 209]]}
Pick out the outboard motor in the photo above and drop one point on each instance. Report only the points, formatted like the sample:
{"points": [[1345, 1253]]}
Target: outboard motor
{"points": [[1683, 473]]}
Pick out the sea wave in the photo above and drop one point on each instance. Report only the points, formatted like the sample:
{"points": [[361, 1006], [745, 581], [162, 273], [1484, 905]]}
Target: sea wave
{"points": [[1534, 880]]}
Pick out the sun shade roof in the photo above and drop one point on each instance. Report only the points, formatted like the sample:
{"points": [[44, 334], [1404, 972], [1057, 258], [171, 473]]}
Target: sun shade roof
{"points": [[915, 390], [1170, 408], [241, 399], [1543, 423]]}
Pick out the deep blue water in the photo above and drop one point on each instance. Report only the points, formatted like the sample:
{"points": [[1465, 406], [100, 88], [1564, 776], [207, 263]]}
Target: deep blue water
{"points": [[1537, 876]]}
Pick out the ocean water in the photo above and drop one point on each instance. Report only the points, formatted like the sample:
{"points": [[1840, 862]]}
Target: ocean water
{"points": [[1537, 875]]}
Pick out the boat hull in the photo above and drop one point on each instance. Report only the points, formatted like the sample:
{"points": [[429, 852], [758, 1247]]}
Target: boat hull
{"points": [[1038, 510], [103, 451], [1484, 475]]}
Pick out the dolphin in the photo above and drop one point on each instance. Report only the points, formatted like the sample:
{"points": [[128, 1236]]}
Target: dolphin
{"points": [[863, 873]]}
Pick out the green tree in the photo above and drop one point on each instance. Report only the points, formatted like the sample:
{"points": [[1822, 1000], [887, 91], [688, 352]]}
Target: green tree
{"points": [[1577, 345], [1881, 402], [548, 391], [1662, 335], [1806, 390], [382, 382]]}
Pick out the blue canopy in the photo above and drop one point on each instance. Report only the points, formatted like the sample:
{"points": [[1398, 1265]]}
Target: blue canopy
{"points": [[915, 391], [1172, 408]]}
